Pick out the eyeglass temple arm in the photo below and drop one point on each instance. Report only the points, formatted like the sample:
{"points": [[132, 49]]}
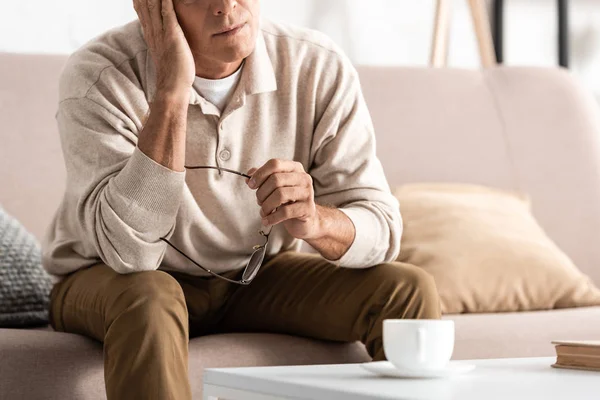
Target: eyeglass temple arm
{"points": [[220, 169], [205, 269]]}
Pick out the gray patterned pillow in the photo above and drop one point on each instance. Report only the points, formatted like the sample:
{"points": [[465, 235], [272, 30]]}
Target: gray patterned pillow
{"points": [[24, 285]]}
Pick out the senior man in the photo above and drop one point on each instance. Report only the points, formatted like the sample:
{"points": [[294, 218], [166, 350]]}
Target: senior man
{"points": [[162, 236]]}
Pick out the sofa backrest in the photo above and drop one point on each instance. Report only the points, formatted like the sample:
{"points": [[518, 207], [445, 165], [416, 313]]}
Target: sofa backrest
{"points": [[529, 129], [32, 172], [534, 130]]}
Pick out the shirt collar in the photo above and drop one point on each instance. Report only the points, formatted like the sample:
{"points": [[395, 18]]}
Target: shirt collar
{"points": [[258, 75]]}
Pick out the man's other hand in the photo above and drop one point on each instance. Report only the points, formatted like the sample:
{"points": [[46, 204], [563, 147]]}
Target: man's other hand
{"points": [[285, 194]]}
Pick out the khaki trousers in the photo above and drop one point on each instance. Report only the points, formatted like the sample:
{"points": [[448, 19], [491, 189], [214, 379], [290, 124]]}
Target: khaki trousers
{"points": [[145, 319]]}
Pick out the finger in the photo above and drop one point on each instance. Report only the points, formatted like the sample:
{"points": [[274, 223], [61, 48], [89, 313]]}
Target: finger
{"points": [[283, 196], [142, 11], [168, 14], [154, 9], [137, 6], [284, 213], [278, 180], [250, 172], [272, 166]]}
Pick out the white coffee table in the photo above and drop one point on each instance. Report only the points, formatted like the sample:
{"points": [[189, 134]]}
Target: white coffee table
{"points": [[519, 378]]}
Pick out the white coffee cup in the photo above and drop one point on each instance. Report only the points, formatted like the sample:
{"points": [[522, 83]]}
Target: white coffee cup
{"points": [[418, 343]]}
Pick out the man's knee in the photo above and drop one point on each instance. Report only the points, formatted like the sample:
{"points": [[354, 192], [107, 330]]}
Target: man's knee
{"points": [[149, 297], [402, 279]]}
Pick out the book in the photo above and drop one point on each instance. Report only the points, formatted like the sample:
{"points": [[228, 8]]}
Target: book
{"points": [[577, 354]]}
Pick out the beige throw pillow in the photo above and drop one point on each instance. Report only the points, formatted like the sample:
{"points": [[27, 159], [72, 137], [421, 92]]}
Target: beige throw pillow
{"points": [[486, 251]]}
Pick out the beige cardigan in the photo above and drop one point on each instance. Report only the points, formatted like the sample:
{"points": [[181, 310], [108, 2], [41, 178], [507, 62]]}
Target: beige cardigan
{"points": [[299, 98]]}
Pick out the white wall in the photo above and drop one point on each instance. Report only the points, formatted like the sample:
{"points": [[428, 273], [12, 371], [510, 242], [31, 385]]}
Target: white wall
{"points": [[387, 32], [371, 31]]}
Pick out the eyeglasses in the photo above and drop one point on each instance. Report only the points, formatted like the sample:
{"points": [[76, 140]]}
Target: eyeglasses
{"points": [[258, 255]]}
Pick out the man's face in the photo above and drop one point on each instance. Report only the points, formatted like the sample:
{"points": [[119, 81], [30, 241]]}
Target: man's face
{"points": [[203, 22]]}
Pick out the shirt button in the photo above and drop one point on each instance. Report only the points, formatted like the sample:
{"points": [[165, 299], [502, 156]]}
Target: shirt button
{"points": [[225, 155]]}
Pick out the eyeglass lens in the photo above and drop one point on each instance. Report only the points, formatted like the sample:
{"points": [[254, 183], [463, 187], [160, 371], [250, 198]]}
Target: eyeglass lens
{"points": [[254, 263]]}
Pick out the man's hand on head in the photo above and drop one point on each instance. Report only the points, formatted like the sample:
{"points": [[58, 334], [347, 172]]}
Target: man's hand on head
{"points": [[175, 67], [284, 191]]}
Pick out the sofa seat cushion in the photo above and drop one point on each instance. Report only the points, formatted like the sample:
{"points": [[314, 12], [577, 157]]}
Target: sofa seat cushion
{"points": [[42, 363], [70, 366], [521, 334]]}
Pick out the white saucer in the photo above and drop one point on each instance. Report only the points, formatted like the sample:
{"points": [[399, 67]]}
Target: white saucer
{"points": [[386, 368]]}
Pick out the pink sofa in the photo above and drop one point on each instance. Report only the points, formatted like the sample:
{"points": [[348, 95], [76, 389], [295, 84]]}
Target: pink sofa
{"points": [[527, 128]]}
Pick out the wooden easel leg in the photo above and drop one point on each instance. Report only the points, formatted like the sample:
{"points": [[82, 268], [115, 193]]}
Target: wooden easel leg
{"points": [[441, 31], [483, 32]]}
